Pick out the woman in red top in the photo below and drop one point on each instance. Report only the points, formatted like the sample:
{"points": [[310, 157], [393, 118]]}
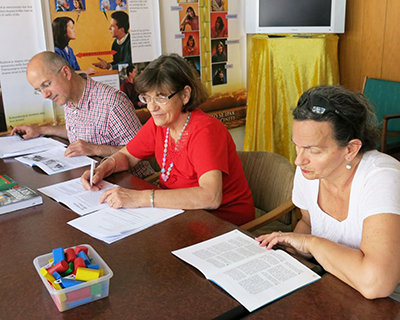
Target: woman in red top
{"points": [[200, 168]]}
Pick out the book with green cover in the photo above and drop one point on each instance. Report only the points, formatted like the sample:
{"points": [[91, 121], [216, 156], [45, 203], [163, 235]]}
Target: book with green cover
{"points": [[6, 182], [18, 198]]}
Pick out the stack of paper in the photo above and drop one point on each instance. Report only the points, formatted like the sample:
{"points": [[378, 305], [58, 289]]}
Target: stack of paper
{"points": [[13, 146], [76, 197], [110, 225], [53, 161], [101, 221]]}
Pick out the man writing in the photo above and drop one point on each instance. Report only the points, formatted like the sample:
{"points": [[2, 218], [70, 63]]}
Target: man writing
{"points": [[99, 120], [119, 26]]}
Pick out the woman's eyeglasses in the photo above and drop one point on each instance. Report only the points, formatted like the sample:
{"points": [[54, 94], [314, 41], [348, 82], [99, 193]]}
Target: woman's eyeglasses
{"points": [[160, 99]]}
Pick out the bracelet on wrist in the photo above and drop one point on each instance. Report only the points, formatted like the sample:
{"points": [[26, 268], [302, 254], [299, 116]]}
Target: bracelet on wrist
{"points": [[152, 198]]}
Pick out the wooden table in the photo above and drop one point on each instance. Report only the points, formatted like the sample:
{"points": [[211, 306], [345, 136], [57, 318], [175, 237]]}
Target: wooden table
{"points": [[148, 283]]}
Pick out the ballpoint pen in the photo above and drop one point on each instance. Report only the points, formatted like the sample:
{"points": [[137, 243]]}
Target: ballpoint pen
{"points": [[91, 172]]}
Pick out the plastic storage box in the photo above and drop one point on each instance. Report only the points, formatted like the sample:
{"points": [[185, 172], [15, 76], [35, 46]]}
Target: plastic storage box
{"points": [[82, 293]]}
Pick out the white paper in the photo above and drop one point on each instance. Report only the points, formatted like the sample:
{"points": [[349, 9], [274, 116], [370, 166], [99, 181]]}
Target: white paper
{"points": [[76, 197], [53, 161], [251, 274], [110, 225], [13, 146]]}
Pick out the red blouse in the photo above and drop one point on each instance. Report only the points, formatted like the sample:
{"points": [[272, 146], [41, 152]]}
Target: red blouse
{"points": [[204, 146]]}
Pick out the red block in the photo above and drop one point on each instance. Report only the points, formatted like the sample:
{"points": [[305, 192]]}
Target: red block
{"points": [[59, 267], [70, 254], [79, 262], [80, 248]]}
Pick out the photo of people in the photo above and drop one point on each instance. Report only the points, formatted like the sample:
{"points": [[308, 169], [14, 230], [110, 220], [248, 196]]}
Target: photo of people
{"points": [[219, 50], [219, 5], [69, 5], [189, 17], [127, 85], [219, 74], [219, 25], [79, 5], [195, 63], [62, 5], [191, 44], [187, 1], [119, 29], [63, 32], [113, 5]]}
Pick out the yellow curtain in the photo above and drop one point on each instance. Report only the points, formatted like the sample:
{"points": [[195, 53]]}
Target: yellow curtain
{"points": [[280, 70]]}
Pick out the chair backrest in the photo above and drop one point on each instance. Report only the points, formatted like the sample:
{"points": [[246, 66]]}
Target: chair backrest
{"points": [[270, 178], [384, 95]]}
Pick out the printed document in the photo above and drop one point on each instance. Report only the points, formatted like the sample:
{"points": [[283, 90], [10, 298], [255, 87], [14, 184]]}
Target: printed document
{"points": [[251, 274], [110, 225], [13, 146], [76, 197], [53, 161]]}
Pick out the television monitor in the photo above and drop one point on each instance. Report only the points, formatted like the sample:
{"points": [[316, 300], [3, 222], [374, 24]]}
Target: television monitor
{"points": [[294, 16]]}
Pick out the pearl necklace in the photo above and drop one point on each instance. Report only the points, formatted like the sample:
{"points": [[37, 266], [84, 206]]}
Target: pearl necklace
{"points": [[165, 175]]}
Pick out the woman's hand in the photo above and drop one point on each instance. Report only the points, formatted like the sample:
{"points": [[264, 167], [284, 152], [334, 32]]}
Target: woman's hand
{"points": [[298, 241], [125, 198]]}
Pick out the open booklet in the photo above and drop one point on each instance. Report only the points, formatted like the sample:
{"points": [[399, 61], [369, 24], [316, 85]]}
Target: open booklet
{"points": [[13, 146], [98, 219], [53, 161], [251, 274]]}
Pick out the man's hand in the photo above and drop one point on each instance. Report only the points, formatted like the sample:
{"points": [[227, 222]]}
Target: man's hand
{"points": [[102, 64], [27, 132], [81, 148]]}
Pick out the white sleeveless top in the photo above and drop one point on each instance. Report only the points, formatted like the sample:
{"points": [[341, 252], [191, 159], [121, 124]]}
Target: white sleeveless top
{"points": [[375, 189]]}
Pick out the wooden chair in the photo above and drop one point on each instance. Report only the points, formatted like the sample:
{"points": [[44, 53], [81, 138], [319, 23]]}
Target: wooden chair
{"points": [[270, 178], [384, 95]]}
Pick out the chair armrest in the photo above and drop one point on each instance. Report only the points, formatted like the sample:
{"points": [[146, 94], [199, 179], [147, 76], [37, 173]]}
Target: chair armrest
{"points": [[391, 116], [274, 214], [153, 178], [385, 131]]}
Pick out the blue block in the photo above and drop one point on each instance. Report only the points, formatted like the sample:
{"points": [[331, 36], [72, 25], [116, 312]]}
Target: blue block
{"points": [[58, 255], [69, 282], [79, 302], [93, 266], [56, 275], [85, 258]]}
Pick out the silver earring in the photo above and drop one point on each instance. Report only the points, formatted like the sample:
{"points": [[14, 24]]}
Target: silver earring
{"points": [[348, 166]]}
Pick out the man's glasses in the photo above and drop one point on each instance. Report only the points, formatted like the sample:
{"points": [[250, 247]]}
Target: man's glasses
{"points": [[160, 99], [45, 85]]}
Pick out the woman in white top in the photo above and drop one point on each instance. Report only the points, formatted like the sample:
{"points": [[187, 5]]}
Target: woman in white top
{"points": [[348, 193]]}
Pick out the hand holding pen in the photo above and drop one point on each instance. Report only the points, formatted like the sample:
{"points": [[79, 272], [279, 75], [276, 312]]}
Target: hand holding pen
{"points": [[17, 132]]}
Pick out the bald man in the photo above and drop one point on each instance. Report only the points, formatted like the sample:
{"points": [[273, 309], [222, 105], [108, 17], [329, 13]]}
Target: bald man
{"points": [[99, 120]]}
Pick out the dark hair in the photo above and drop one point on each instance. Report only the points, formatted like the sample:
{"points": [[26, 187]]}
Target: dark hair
{"points": [[194, 12], [122, 20], [130, 68], [221, 24], [172, 72], [60, 36], [350, 114], [81, 7], [191, 38]]}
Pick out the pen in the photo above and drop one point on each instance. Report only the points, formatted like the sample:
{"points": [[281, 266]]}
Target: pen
{"points": [[19, 134], [91, 172]]}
